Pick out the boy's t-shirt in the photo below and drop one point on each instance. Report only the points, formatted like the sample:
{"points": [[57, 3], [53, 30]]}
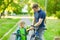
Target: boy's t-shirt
{"points": [[23, 33]]}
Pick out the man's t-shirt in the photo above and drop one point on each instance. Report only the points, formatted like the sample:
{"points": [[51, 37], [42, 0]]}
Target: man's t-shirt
{"points": [[40, 14]]}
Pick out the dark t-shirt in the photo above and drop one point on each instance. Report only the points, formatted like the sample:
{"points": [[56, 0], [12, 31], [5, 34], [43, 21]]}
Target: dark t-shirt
{"points": [[40, 14]]}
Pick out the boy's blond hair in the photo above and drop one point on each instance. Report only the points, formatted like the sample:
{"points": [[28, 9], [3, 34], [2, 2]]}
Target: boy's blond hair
{"points": [[22, 22]]}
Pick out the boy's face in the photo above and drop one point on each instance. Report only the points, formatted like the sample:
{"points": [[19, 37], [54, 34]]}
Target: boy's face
{"points": [[22, 25]]}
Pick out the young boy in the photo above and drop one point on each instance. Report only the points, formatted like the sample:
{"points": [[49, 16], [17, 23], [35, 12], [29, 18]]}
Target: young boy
{"points": [[22, 31]]}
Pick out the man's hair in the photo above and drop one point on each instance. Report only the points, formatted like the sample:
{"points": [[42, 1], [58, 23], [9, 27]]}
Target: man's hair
{"points": [[35, 6]]}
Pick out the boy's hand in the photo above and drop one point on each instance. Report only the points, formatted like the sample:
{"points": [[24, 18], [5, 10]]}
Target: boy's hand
{"points": [[31, 28], [27, 30]]}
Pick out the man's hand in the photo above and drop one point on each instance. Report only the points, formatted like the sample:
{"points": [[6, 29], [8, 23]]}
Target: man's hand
{"points": [[32, 25], [31, 28]]}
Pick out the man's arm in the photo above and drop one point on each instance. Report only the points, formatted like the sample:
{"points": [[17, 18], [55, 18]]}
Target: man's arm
{"points": [[39, 22], [34, 21]]}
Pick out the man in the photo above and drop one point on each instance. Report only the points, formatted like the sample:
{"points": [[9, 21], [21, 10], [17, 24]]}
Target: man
{"points": [[39, 18]]}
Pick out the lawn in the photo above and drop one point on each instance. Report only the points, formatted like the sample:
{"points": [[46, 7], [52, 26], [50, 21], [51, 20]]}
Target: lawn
{"points": [[6, 25], [53, 29]]}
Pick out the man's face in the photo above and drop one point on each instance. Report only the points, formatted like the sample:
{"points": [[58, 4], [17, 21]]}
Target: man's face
{"points": [[35, 9]]}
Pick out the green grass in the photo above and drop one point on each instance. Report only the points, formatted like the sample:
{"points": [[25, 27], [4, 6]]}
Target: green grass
{"points": [[8, 36], [53, 29], [6, 25]]}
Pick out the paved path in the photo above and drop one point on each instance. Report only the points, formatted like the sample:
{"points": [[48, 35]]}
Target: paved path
{"points": [[28, 22], [27, 17]]}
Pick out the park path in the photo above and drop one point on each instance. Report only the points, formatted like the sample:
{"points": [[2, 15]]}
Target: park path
{"points": [[28, 22], [28, 17]]}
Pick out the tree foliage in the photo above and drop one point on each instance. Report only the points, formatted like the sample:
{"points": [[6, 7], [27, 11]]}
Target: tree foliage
{"points": [[17, 5], [53, 6]]}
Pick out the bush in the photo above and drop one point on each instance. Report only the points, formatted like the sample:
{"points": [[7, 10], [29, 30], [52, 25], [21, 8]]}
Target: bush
{"points": [[58, 14], [49, 14]]}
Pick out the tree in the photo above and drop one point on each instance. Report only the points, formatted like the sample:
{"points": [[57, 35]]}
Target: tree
{"points": [[53, 6], [4, 3]]}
